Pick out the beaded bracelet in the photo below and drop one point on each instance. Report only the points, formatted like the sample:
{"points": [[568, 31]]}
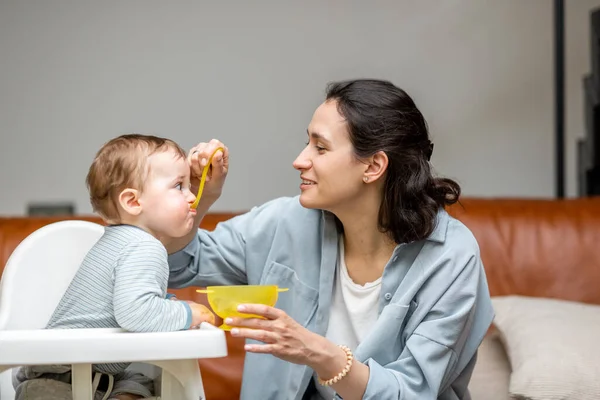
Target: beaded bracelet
{"points": [[338, 377]]}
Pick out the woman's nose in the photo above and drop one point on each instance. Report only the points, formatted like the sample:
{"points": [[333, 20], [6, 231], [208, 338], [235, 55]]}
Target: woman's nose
{"points": [[302, 162]]}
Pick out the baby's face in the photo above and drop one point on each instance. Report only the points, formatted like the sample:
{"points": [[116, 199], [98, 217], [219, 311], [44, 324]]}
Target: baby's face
{"points": [[166, 197]]}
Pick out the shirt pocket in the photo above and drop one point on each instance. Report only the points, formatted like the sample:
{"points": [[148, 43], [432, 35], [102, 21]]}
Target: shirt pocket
{"points": [[300, 301]]}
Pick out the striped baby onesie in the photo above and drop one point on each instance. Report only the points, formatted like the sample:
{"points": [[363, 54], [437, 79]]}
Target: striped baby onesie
{"points": [[122, 282]]}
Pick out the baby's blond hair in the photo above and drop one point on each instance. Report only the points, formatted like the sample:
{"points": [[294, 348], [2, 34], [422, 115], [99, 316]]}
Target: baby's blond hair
{"points": [[119, 164]]}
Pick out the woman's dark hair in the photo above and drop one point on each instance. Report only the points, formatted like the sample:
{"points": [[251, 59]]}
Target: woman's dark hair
{"points": [[383, 117]]}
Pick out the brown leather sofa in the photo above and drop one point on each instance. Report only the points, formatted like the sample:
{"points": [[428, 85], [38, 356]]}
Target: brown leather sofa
{"points": [[544, 248]]}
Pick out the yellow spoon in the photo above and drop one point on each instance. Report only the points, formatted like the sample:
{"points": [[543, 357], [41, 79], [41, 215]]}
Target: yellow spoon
{"points": [[203, 178]]}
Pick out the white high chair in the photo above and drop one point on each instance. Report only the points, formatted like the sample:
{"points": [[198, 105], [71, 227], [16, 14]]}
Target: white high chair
{"points": [[36, 276]]}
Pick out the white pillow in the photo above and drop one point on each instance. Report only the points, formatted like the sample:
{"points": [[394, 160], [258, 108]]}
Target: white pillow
{"points": [[553, 347]]}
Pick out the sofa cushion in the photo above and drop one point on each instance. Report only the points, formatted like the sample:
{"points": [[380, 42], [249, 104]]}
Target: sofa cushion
{"points": [[553, 347], [492, 371]]}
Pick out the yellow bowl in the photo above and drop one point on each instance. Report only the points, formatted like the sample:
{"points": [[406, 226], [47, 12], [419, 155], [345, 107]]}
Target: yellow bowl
{"points": [[224, 300]]}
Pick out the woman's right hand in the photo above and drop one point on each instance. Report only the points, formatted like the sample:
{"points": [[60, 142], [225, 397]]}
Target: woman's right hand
{"points": [[198, 158]]}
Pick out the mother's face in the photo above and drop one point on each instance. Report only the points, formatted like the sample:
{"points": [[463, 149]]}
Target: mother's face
{"points": [[331, 174]]}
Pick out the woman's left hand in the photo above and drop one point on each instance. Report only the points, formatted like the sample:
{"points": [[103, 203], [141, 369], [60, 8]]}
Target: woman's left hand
{"points": [[282, 336], [286, 339]]}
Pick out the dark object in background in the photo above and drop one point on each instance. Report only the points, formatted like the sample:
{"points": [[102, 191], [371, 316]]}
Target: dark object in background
{"points": [[50, 209], [588, 148]]}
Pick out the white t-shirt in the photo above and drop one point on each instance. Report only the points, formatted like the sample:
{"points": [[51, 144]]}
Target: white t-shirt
{"points": [[353, 311]]}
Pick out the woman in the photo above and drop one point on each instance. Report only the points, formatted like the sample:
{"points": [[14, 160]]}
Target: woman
{"points": [[387, 293]]}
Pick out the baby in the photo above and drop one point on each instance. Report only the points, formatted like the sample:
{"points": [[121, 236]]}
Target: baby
{"points": [[140, 185]]}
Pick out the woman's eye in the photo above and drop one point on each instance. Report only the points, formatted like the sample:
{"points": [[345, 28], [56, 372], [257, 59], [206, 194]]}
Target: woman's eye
{"points": [[319, 148], [178, 186]]}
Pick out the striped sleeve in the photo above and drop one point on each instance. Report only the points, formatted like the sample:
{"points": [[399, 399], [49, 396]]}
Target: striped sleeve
{"points": [[139, 297]]}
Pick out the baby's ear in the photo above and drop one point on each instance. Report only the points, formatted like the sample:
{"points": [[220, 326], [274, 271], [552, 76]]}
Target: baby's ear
{"points": [[129, 201]]}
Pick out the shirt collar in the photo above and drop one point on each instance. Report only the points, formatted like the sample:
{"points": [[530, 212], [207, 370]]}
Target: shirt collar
{"points": [[441, 227]]}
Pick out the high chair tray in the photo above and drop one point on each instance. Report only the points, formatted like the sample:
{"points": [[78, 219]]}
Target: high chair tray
{"points": [[73, 346]]}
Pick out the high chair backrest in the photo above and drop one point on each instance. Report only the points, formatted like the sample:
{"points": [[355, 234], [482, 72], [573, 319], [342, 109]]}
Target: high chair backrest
{"points": [[39, 271]]}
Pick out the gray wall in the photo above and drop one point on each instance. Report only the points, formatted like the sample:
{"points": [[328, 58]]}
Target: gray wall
{"points": [[76, 73]]}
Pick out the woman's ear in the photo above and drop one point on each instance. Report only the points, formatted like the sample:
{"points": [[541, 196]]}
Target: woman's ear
{"points": [[129, 201], [376, 167]]}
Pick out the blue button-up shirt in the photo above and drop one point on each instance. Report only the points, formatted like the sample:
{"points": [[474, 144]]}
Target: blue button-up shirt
{"points": [[433, 312]]}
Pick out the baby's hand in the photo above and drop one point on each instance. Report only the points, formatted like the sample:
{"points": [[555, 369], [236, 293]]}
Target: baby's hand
{"points": [[201, 313]]}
